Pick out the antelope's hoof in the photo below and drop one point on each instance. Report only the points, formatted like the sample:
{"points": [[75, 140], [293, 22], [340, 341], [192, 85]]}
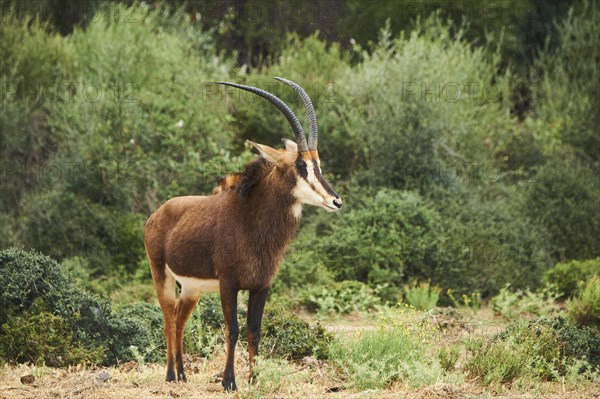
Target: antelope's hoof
{"points": [[181, 376], [171, 377], [229, 386]]}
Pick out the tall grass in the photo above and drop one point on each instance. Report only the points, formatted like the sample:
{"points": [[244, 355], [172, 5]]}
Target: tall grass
{"points": [[395, 352], [585, 307], [422, 295]]}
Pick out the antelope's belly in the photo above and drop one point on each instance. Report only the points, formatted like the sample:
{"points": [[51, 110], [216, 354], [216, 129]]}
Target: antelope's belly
{"points": [[195, 284]]}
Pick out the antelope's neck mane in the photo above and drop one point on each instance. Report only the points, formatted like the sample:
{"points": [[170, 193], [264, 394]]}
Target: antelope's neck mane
{"points": [[265, 200], [255, 172]]}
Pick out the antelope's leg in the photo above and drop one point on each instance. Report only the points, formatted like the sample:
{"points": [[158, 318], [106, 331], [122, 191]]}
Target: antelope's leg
{"points": [[185, 305], [256, 306], [229, 305], [165, 286]]}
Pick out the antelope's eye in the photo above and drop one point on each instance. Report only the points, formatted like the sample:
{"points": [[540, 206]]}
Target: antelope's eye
{"points": [[301, 167]]}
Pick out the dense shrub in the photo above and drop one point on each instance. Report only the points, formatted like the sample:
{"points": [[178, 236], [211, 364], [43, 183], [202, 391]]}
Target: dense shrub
{"points": [[545, 349], [144, 121], [490, 242], [303, 265], [518, 303], [396, 236], [286, 335], [566, 276], [497, 363], [42, 338], [556, 78], [204, 331], [562, 198], [33, 66], [64, 225], [37, 290], [28, 277], [283, 333], [421, 118], [340, 297], [585, 306], [139, 325]]}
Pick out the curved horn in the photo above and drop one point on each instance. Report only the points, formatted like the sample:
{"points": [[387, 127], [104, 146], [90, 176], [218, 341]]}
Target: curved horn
{"points": [[310, 111], [283, 107]]}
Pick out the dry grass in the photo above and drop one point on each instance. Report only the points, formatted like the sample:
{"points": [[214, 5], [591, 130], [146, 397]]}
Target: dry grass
{"points": [[276, 378]]}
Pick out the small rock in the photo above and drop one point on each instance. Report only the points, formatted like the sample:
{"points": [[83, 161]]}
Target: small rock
{"points": [[27, 379], [127, 367], [103, 376], [217, 377], [310, 361]]}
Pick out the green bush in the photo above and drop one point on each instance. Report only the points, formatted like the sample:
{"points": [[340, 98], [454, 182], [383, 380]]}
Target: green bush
{"points": [[29, 277], [497, 363], [286, 335], [398, 234], [517, 303], [470, 244], [34, 65], [204, 332], [64, 225], [302, 266], [563, 199], [37, 289], [419, 118], [340, 297], [546, 349], [585, 306], [448, 356], [490, 242], [566, 276], [283, 333], [143, 127], [139, 325], [556, 78], [42, 338]]}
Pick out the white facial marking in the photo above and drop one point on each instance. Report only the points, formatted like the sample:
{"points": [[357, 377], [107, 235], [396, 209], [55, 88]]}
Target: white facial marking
{"points": [[310, 168], [311, 191], [297, 210], [194, 286], [305, 193]]}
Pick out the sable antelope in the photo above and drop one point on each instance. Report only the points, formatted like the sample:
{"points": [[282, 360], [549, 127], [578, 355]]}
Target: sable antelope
{"points": [[235, 239]]}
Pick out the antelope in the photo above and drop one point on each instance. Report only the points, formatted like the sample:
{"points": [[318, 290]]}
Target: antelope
{"points": [[235, 239]]}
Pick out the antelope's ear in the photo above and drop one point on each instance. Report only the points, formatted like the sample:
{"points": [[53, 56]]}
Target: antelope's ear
{"points": [[290, 146], [269, 153]]}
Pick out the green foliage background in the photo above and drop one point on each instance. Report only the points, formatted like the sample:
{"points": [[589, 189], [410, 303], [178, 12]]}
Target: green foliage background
{"points": [[466, 149]]}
